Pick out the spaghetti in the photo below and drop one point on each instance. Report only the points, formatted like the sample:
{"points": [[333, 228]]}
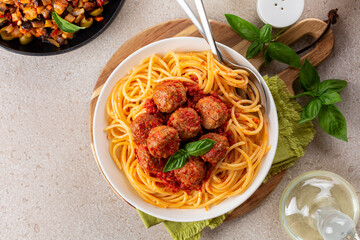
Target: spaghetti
{"points": [[246, 126]]}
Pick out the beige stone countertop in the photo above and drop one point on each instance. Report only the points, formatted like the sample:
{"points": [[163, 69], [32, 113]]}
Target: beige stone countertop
{"points": [[50, 185]]}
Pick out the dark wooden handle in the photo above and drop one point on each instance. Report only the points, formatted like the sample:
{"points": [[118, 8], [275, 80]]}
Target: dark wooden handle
{"points": [[313, 27]]}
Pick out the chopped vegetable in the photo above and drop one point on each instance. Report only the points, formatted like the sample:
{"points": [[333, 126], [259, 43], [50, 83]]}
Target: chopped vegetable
{"points": [[54, 21], [96, 12], [100, 2], [70, 18], [86, 23], [24, 40], [64, 25], [98, 19], [60, 6], [6, 36]]}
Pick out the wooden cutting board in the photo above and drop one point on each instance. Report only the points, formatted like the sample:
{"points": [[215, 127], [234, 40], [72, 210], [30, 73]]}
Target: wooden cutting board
{"points": [[223, 33]]}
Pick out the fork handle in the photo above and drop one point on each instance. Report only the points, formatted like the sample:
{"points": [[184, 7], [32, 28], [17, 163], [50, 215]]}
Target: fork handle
{"points": [[207, 29], [192, 16]]}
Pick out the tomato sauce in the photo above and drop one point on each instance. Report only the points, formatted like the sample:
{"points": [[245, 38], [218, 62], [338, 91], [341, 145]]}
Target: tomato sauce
{"points": [[150, 106], [227, 134], [194, 94], [169, 180]]}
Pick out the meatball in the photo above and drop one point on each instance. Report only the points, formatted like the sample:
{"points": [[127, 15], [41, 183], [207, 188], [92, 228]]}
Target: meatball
{"points": [[186, 121], [163, 141], [169, 95], [192, 173], [149, 162], [213, 112], [142, 125], [218, 151]]}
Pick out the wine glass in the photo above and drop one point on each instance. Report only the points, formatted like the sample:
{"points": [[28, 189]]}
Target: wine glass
{"points": [[320, 205]]}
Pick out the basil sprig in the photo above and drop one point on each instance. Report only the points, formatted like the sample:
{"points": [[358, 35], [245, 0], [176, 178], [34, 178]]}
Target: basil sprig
{"points": [[333, 121], [261, 38], [65, 25], [180, 158], [324, 95]]}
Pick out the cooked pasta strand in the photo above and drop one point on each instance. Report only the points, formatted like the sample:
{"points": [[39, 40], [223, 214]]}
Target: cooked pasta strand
{"points": [[246, 126]]}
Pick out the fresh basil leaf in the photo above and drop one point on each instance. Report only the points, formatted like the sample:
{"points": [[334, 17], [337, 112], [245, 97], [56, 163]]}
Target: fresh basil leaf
{"points": [[177, 160], [200, 147], [332, 84], [268, 59], [310, 111], [243, 28], [283, 53], [333, 122], [265, 33], [180, 158], [254, 49], [65, 25], [330, 97], [309, 77], [312, 94]]}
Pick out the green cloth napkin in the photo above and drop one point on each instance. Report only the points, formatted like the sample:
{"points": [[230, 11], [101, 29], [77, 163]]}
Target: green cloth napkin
{"points": [[293, 139]]}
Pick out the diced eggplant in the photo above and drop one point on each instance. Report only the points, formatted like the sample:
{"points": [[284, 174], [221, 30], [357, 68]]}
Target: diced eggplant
{"points": [[46, 2], [52, 41], [30, 13], [3, 8], [46, 13], [89, 6], [26, 25], [60, 6], [60, 40], [37, 24], [78, 11], [70, 18]]}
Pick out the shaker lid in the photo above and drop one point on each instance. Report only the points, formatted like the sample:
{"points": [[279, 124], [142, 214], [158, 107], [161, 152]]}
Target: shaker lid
{"points": [[280, 13]]}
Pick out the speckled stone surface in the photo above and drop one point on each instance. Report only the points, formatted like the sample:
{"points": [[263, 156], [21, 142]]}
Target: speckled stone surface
{"points": [[50, 185]]}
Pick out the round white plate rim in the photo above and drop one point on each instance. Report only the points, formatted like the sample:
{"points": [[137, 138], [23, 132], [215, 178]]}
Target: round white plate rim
{"points": [[183, 215]]}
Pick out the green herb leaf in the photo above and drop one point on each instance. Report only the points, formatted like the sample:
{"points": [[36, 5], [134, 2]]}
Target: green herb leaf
{"points": [[267, 57], [330, 97], [243, 28], [180, 158], [254, 49], [312, 94], [309, 77], [332, 84], [177, 160], [200, 147], [310, 111], [283, 53], [65, 25], [265, 33], [333, 122]]}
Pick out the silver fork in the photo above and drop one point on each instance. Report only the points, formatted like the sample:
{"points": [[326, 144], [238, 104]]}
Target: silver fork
{"points": [[205, 30]]}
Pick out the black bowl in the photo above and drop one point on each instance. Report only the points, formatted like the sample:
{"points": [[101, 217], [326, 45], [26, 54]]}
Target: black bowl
{"points": [[39, 48]]}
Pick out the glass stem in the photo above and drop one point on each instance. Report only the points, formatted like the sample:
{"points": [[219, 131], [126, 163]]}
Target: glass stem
{"points": [[357, 236], [333, 224]]}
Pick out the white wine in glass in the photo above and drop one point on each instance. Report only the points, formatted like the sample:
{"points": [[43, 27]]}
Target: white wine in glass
{"points": [[320, 205]]}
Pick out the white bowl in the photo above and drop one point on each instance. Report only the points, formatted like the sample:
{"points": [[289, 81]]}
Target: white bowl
{"points": [[118, 180]]}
